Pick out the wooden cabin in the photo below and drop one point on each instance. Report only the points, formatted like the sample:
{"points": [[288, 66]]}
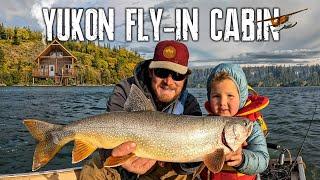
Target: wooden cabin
{"points": [[57, 63]]}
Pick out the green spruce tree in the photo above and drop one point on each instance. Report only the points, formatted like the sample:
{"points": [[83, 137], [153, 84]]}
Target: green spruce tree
{"points": [[16, 40]]}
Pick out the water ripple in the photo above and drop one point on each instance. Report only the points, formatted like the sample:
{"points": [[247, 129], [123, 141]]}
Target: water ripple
{"points": [[288, 117]]}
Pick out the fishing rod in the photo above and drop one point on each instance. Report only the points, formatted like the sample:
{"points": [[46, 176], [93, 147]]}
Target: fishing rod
{"points": [[304, 140], [282, 170]]}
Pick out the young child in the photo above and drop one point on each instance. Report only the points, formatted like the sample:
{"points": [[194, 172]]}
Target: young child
{"points": [[227, 91]]}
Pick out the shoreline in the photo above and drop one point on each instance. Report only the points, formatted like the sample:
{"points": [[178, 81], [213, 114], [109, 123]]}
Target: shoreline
{"points": [[82, 85], [111, 85]]}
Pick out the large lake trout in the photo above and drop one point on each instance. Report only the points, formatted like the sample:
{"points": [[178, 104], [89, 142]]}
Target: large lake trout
{"points": [[158, 135]]}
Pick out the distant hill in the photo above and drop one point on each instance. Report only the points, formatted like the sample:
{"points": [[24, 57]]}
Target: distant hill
{"points": [[16, 61], [96, 65], [108, 65], [267, 76]]}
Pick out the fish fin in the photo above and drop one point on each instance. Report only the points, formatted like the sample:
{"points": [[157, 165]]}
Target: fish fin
{"points": [[198, 171], [112, 161], [137, 101], [215, 160], [38, 129], [46, 148], [81, 150]]}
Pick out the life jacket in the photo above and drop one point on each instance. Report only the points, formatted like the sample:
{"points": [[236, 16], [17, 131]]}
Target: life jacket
{"points": [[251, 109], [226, 175], [178, 107]]}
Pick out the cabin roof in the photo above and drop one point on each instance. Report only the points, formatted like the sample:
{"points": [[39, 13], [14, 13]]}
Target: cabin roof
{"points": [[52, 45]]}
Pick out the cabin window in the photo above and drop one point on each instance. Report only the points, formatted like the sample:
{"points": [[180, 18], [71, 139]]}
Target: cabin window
{"points": [[42, 69], [56, 54], [59, 53], [68, 66]]}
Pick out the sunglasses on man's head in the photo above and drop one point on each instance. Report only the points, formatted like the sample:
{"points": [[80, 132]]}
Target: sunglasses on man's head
{"points": [[164, 73]]}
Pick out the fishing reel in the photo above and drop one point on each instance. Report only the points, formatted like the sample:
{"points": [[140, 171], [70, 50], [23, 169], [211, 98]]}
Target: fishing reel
{"points": [[279, 168], [283, 168], [281, 159]]}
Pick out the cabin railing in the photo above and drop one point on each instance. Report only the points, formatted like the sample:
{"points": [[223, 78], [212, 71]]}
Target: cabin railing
{"points": [[67, 72], [61, 72], [40, 72]]}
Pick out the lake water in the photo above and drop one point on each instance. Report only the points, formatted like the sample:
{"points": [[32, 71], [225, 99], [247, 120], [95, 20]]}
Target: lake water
{"points": [[288, 117]]}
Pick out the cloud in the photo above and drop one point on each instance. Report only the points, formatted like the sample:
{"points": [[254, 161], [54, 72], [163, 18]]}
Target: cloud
{"points": [[11, 9], [36, 12], [296, 56], [144, 51], [169, 4], [305, 35], [285, 54]]}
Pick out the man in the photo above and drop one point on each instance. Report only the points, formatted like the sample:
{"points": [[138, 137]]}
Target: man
{"points": [[163, 80]]}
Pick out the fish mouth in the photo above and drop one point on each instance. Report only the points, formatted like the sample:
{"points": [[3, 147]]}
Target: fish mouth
{"points": [[224, 141]]}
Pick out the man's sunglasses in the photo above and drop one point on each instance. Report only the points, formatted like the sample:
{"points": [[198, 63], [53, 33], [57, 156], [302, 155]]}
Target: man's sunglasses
{"points": [[164, 73]]}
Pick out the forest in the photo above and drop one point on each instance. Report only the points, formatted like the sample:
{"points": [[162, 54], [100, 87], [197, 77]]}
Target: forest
{"points": [[267, 76], [96, 65], [104, 65]]}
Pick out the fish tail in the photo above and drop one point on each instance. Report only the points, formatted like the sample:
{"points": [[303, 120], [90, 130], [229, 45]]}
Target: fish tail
{"points": [[47, 146]]}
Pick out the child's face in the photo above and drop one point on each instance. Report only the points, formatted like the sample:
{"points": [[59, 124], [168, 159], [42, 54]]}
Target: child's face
{"points": [[224, 98]]}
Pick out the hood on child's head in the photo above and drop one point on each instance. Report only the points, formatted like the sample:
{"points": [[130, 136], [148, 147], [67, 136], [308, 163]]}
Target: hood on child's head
{"points": [[237, 75]]}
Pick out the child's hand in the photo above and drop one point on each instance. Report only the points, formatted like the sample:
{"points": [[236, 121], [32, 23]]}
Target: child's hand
{"points": [[235, 158]]}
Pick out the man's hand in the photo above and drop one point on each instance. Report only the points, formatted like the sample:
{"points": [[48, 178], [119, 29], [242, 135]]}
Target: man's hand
{"points": [[235, 158], [135, 165]]}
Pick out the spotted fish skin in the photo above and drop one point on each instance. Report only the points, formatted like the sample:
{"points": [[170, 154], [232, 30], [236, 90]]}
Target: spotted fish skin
{"points": [[159, 136]]}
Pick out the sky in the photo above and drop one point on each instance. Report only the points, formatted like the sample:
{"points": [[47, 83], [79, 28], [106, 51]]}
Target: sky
{"points": [[298, 45]]}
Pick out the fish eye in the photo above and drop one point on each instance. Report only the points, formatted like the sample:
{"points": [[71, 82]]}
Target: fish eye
{"points": [[245, 123]]}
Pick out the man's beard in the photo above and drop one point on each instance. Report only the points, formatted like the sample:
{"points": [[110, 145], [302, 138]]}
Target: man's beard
{"points": [[165, 98]]}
